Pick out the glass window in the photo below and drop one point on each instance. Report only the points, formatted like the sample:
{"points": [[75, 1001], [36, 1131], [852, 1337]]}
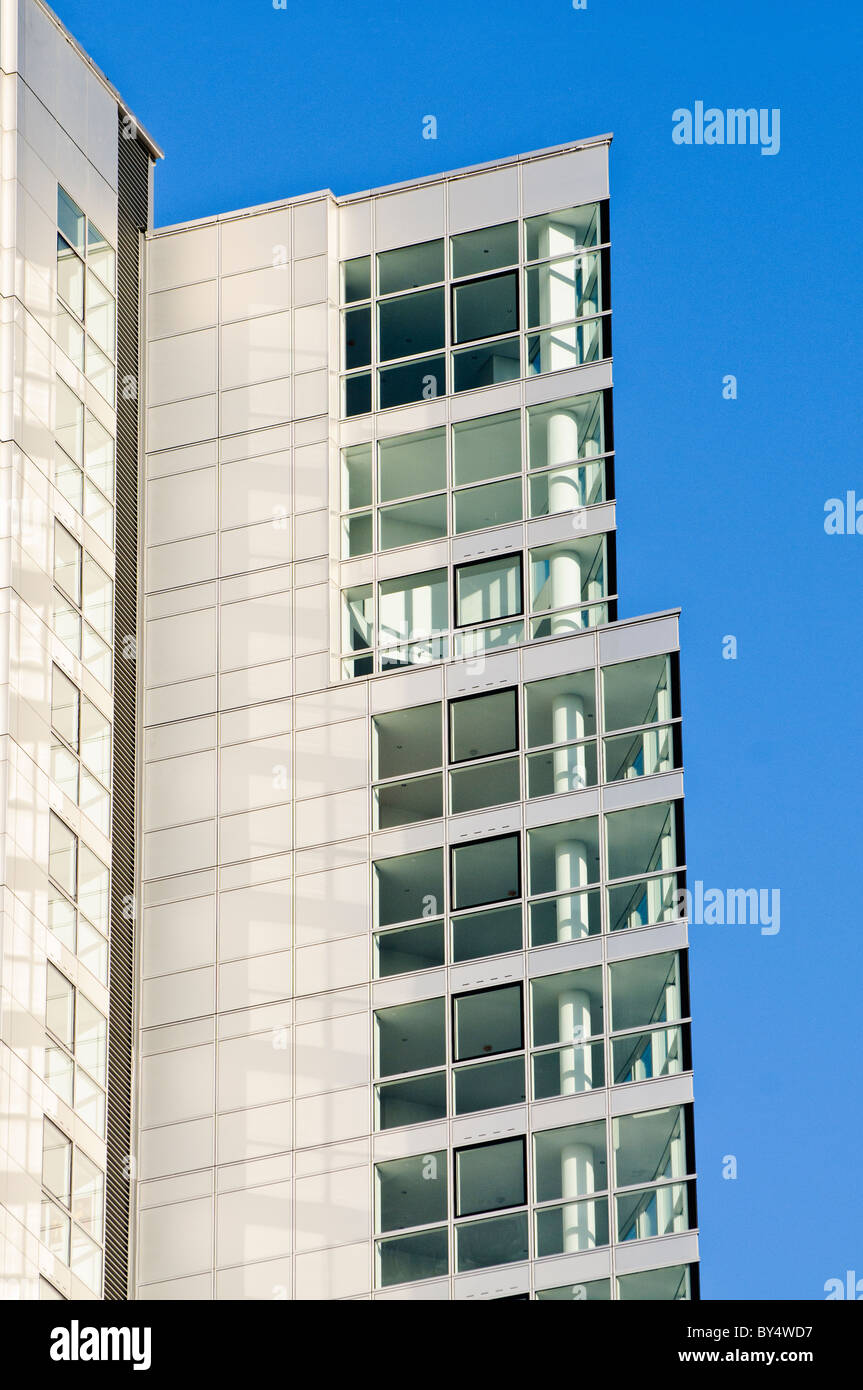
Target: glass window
{"points": [[566, 1007], [358, 618], [649, 1147], [56, 1162], [668, 1285], [98, 598], [91, 1039], [100, 256], [407, 949], [357, 535], [487, 448], [565, 441], [413, 606], [356, 279], [421, 380], [410, 324], [357, 477], [100, 313], [489, 1086], [490, 1177], [570, 1162], [485, 308], [67, 563], [637, 692], [406, 1259], [411, 523], [645, 990], [641, 840], [96, 741], [65, 704], [566, 576], [59, 1009], [69, 421], [358, 337], [495, 504], [408, 267], [489, 933], [408, 886], [482, 725], [555, 233], [411, 464], [70, 220], [488, 589], [93, 884], [488, 365], [358, 394], [407, 740], [563, 290], [88, 1195], [99, 454], [564, 856], [411, 1191], [405, 803], [561, 709], [70, 277], [62, 854], [415, 1101], [486, 249], [485, 784], [485, 871], [594, 1291], [487, 1022], [410, 1037]]}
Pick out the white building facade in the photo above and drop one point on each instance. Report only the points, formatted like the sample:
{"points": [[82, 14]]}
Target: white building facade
{"points": [[342, 954]]}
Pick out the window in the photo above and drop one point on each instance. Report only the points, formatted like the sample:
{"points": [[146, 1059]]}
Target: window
{"points": [[409, 466], [637, 697], [491, 1178], [84, 461], [83, 605], [406, 742], [486, 450], [76, 1051], [566, 444], [412, 1193], [669, 1285], [488, 590], [566, 1014], [485, 308], [78, 878], [412, 613], [641, 840], [650, 1148], [405, 360], [563, 861], [411, 1038], [561, 722], [480, 727], [72, 1206], [487, 1021], [570, 1166], [568, 582], [409, 267], [485, 871], [489, 248], [81, 750], [85, 295], [647, 1040]]}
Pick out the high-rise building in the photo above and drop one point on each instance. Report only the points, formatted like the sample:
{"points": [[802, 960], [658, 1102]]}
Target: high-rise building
{"points": [[342, 953]]}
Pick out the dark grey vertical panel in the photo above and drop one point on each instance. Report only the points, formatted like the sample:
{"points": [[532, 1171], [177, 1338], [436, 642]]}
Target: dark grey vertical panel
{"points": [[133, 190]]}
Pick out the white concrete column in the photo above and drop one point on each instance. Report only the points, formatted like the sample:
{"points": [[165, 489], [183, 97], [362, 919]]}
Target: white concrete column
{"points": [[558, 294], [577, 1178], [565, 582], [567, 723], [570, 873], [576, 1066], [564, 486]]}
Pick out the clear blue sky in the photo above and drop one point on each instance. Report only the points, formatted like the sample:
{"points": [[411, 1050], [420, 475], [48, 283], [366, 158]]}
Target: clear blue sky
{"points": [[724, 261]]}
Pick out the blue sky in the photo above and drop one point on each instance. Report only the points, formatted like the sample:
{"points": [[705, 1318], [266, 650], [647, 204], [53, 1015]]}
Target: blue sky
{"points": [[724, 261]]}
